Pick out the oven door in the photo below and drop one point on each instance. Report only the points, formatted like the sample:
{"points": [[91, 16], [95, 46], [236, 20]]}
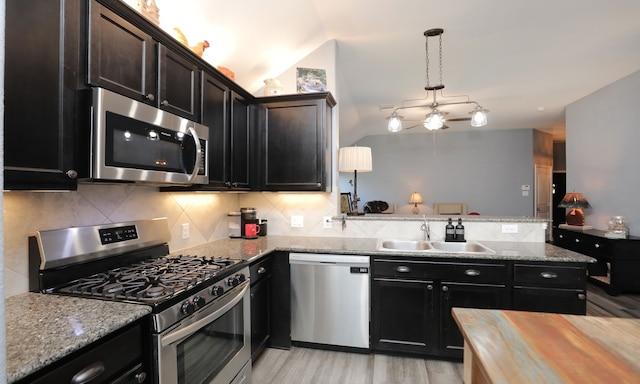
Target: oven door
{"points": [[211, 346]]}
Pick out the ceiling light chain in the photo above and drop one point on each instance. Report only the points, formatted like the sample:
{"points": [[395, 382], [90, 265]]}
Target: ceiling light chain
{"points": [[435, 119]]}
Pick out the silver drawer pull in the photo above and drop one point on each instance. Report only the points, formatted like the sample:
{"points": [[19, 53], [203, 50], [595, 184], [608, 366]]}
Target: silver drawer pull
{"points": [[403, 269], [472, 272], [577, 240], [262, 270], [597, 245], [581, 296], [561, 236], [549, 275]]}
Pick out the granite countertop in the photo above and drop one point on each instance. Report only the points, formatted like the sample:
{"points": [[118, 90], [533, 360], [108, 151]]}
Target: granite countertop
{"points": [[43, 328], [529, 347], [252, 249]]}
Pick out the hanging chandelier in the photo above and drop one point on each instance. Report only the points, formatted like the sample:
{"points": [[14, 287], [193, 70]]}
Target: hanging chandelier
{"points": [[435, 102]]}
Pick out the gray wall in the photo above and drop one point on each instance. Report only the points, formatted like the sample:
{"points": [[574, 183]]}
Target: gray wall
{"points": [[485, 169], [603, 133]]}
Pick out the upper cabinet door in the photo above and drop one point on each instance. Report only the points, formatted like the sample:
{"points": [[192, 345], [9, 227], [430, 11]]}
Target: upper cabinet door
{"points": [[179, 84], [121, 56], [296, 146], [241, 136], [42, 62]]}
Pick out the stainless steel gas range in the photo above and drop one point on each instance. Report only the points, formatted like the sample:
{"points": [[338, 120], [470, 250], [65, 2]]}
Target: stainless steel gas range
{"points": [[200, 328]]}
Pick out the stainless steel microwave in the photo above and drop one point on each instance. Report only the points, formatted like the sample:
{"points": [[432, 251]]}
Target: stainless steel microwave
{"points": [[135, 142]]}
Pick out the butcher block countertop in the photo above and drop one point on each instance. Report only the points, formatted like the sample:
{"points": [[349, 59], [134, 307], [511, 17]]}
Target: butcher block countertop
{"points": [[530, 347]]}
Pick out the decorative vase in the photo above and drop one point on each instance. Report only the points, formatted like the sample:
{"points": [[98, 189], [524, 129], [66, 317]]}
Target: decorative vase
{"points": [[272, 87]]}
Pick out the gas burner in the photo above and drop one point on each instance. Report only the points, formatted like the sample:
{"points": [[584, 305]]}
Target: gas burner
{"points": [[154, 292]]}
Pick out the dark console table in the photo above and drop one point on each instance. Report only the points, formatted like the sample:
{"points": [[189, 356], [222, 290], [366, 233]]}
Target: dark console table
{"points": [[618, 266]]}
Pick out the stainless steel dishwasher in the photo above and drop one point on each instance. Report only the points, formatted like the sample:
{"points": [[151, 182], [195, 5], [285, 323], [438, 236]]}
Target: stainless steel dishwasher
{"points": [[330, 299]]}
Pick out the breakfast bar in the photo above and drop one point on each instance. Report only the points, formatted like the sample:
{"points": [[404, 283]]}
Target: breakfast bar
{"points": [[503, 346]]}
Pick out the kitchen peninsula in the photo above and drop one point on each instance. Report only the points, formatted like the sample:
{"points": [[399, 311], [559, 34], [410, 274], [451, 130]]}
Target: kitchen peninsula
{"points": [[526, 347]]}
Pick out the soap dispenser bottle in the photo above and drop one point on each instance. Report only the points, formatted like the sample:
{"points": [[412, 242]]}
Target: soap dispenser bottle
{"points": [[459, 232], [449, 233]]}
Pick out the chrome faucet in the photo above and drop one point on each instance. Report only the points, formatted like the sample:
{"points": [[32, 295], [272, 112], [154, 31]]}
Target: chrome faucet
{"points": [[425, 228]]}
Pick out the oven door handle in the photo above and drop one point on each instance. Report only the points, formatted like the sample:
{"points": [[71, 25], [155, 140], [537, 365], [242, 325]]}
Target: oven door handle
{"points": [[196, 166], [191, 328]]}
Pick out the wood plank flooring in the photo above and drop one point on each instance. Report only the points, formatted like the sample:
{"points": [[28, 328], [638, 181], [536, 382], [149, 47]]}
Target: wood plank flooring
{"points": [[313, 366]]}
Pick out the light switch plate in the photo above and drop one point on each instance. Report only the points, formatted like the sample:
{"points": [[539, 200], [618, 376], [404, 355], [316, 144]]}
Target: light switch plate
{"points": [[297, 221], [327, 222], [185, 231], [509, 228]]}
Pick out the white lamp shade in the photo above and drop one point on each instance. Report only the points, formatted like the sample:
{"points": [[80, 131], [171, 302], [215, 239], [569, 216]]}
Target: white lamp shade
{"points": [[355, 159], [416, 198], [434, 121], [395, 124]]}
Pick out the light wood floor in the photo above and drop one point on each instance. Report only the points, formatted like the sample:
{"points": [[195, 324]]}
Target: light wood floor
{"points": [[312, 366]]}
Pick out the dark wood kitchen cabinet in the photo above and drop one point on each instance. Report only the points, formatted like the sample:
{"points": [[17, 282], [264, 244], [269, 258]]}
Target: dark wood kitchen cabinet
{"points": [[260, 275], [617, 267], [412, 301], [128, 60], [296, 142], [402, 315], [43, 56], [228, 116], [550, 288]]}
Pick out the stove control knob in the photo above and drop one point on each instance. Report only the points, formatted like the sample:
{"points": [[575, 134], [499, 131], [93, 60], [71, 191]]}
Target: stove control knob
{"points": [[187, 308], [241, 277], [217, 290], [199, 302], [233, 281]]}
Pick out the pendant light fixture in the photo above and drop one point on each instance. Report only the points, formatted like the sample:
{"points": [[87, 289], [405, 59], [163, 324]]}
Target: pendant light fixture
{"points": [[436, 117]]}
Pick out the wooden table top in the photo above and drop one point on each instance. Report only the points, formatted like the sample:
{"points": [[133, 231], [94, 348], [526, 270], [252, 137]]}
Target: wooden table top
{"points": [[531, 347]]}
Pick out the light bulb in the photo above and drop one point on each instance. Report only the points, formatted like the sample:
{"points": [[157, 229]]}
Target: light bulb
{"points": [[434, 121], [478, 117], [395, 124]]}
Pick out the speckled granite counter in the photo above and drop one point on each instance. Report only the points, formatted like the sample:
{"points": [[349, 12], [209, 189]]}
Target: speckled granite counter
{"points": [[252, 249], [41, 328]]}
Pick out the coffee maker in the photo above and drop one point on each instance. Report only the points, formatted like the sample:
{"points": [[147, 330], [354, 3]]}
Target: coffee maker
{"points": [[249, 226]]}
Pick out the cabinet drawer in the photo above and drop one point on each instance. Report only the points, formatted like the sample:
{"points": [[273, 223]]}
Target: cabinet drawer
{"points": [[475, 273], [549, 276], [405, 269], [260, 269], [583, 243]]}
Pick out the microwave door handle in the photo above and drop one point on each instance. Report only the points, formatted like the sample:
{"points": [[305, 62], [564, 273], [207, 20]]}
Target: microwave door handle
{"points": [[196, 166], [191, 328]]}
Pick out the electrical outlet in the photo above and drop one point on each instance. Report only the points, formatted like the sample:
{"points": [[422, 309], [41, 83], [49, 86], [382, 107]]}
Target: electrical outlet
{"points": [[297, 221], [509, 228], [327, 222], [185, 231]]}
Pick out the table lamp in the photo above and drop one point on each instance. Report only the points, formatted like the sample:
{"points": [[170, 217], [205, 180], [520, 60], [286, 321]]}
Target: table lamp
{"points": [[575, 202], [415, 199], [355, 159]]}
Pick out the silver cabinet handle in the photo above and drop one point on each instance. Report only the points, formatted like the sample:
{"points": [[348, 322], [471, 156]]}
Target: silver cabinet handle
{"points": [[597, 245], [549, 275], [150, 97], [88, 373], [472, 272], [561, 236], [429, 287], [581, 296], [403, 269], [262, 270], [577, 240], [72, 174], [164, 103], [445, 288]]}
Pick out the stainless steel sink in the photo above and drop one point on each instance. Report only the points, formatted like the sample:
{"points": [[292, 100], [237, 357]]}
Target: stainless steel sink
{"points": [[404, 245], [431, 246], [467, 247]]}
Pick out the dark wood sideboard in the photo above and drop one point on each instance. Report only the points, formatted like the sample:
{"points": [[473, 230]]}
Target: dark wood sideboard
{"points": [[618, 266]]}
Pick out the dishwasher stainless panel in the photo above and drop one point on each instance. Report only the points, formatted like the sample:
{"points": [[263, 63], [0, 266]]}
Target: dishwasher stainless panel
{"points": [[330, 299]]}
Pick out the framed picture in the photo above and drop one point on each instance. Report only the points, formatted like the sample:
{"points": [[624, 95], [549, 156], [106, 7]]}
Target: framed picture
{"points": [[309, 80], [345, 202]]}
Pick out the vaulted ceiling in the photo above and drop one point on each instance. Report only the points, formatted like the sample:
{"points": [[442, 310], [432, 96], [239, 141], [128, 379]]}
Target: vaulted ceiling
{"points": [[523, 60]]}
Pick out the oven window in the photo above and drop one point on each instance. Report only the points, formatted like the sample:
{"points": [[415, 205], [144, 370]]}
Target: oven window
{"points": [[205, 353]]}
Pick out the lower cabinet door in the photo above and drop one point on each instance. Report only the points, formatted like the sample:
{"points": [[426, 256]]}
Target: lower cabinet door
{"points": [[556, 300], [484, 296], [403, 316], [260, 316]]}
